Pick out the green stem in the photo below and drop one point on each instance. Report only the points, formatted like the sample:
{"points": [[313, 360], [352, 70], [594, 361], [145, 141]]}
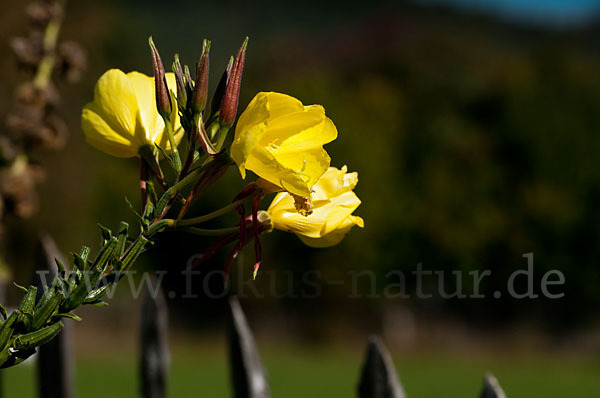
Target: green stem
{"points": [[211, 232], [159, 225], [217, 213], [222, 135], [169, 193], [174, 150]]}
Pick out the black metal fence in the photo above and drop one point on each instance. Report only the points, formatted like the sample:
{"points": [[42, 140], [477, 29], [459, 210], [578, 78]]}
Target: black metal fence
{"points": [[378, 379]]}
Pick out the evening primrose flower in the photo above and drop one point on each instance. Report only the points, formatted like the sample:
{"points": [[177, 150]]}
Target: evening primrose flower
{"points": [[123, 116], [333, 203], [282, 141]]}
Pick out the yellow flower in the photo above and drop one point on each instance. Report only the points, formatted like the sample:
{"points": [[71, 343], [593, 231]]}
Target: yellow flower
{"points": [[123, 116], [332, 205], [282, 141]]}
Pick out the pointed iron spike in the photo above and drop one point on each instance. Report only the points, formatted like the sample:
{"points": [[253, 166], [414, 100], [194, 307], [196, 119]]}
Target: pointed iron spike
{"points": [[491, 387], [154, 350], [248, 375], [378, 377]]}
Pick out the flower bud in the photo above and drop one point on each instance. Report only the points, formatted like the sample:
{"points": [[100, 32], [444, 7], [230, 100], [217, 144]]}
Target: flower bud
{"points": [[188, 78], [217, 99], [232, 92], [180, 81], [163, 99], [201, 86]]}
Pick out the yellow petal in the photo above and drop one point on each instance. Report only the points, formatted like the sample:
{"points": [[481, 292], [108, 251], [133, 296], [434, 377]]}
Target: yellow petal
{"points": [[281, 140], [292, 221], [102, 136], [339, 209], [334, 182], [151, 121], [334, 237], [333, 204], [123, 116], [252, 123], [295, 173], [116, 103], [307, 127]]}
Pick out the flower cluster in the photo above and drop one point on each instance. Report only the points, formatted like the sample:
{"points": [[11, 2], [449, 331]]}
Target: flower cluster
{"points": [[167, 121], [276, 137]]}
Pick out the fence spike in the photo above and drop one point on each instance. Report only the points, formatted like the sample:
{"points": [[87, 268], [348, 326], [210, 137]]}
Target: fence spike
{"points": [[154, 349], [55, 358], [247, 372], [491, 387], [379, 378]]}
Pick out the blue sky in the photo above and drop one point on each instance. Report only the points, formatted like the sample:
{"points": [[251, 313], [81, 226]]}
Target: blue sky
{"points": [[559, 11]]}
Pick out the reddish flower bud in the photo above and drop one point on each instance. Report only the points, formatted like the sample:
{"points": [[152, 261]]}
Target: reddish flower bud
{"points": [[217, 99], [232, 92], [180, 80], [188, 78], [163, 99], [201, 86]]}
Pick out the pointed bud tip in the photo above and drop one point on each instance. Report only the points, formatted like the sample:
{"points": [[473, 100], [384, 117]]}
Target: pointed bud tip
{"points": [[163, 99], [229, 105], [152, 45], [201, 84]]}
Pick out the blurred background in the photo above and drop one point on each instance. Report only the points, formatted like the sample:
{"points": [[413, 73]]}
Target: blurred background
{"points": [[475, 129]]}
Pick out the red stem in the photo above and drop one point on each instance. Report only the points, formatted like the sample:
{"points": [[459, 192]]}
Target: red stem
{"points": [[144, 183]]}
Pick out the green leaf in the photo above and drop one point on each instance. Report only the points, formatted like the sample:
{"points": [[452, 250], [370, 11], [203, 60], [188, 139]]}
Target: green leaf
{"points": [[60, 266], [69, 315], [21, 288], [7, 330], [46, 310], [99, 303], [79, 262], [138, 216], [106, 233], [152, 192], [37, 338], [96, 295], [164, 154], [121, 238], [149, 214]]}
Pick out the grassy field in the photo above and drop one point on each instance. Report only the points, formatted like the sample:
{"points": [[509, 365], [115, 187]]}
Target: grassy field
{"points": [[296, 372]]}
